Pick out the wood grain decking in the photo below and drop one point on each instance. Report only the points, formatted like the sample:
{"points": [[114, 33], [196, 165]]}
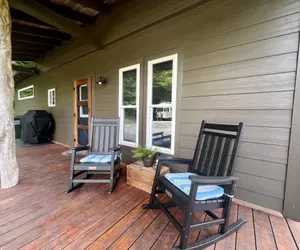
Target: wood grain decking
{"points": [[38, 214]]}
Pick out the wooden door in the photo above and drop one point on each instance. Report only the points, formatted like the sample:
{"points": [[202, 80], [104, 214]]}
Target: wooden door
{"points": [[82, 110]]}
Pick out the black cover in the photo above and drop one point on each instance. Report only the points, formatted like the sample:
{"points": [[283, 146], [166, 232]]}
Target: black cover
{"points": [[37, 127]]}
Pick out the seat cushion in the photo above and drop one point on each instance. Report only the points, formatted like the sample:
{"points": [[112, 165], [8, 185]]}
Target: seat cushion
{"points": [[204, 192], [97, 159]]}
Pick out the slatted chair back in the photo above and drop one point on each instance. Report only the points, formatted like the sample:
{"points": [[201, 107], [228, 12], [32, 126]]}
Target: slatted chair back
{"points": [[104, 135], [216, 149]]}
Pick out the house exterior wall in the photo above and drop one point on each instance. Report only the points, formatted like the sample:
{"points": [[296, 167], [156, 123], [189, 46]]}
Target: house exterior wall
{"points": [[237, 62]]}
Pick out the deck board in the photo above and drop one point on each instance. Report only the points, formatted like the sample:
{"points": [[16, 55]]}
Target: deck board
{"points": [[246, 236], [263, 231], [38, 214], [295, 229], [282, 235]]}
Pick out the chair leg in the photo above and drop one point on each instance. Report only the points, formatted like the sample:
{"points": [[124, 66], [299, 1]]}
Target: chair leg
{"points": [[71, 177], [226, 214], [186, 228], [151, 204], [111, 183], [119, 172]]}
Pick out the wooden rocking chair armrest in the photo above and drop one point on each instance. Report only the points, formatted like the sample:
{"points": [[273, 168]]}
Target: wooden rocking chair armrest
{"points": [[81, 148], [172, 160], [210, 180]]}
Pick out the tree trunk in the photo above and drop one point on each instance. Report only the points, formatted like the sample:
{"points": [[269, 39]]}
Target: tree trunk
{"points": [[9, 171]]}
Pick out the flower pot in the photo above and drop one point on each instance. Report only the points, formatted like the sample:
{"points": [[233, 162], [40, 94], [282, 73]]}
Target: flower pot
{"points": [[148, 162]]}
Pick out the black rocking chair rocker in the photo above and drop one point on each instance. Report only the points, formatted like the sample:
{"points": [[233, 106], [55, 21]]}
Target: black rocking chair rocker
{"points": [[207, 185], [103, 155]]}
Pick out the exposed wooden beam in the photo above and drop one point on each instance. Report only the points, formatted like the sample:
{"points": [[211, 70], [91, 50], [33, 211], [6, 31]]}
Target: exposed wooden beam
{"points": [[67, 12], [34, 39], [33, 31], [94, 4], [31, 46], [19, 15], [23, 59], [28, 51], [28, 71], [46, 15], [24, 54], [20, 77]]}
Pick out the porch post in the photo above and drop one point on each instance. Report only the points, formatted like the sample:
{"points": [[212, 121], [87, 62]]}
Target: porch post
{"points": [[292, 187], [9, 171]]}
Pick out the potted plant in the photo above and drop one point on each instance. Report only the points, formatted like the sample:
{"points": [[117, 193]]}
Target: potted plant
{"points": [[147, 155]]}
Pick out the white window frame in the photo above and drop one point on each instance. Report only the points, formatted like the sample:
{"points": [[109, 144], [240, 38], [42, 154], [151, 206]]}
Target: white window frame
{"points": [[81, 115], [122, 107], [150, 106], [27, 97], [51, 94]]}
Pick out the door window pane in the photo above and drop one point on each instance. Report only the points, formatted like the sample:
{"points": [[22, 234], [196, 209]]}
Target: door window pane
{"points": [[83, 92], [83, 111], [129, 87]]}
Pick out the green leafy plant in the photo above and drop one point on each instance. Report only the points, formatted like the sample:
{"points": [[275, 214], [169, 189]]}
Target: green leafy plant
{"points": [[143, 152]]}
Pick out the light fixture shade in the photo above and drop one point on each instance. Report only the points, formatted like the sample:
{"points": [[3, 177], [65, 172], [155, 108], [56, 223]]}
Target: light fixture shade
{"points": [[101, 80]]}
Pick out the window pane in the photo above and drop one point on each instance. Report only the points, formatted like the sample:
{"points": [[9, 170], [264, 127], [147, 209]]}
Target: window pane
{"points": [[129, 132], [83, 93], [26, 93], [162, 129], [162, 83], [129, 87], [84, 110], [53, 97]]}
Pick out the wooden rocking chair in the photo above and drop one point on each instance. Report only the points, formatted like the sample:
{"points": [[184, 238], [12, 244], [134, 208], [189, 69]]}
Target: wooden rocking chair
{"points": [[103, 155], [207, 185]]}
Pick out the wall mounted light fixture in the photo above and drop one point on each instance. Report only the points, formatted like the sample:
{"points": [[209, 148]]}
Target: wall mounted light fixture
{"points": [[101, 80]]}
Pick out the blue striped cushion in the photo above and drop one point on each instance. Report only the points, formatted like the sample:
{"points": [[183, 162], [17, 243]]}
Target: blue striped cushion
{"points": [[97, 159], [204, 192]]}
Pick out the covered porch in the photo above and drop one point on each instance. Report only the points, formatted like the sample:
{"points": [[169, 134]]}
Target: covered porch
{"points": [[38, 214]]}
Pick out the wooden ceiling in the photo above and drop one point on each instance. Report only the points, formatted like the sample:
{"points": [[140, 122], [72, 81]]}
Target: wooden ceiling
{"points": [[38, 26]]}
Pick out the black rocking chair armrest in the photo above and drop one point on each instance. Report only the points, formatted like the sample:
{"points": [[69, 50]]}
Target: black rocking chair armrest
{"points": [[81, 148], [172, 160], [115, 149], [210, 180]]}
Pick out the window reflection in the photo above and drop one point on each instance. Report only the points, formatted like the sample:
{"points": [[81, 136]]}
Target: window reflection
{"points": [[162, 105], [162, 83], [129, 132], [83, 92], [162, 133], [129, 87]]}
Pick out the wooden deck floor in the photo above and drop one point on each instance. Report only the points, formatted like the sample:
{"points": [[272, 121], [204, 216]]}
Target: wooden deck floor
{"points": [[37, 214]]}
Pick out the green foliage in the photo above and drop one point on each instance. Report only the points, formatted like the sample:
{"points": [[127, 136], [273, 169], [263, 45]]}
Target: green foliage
{"points": [[162, 86], [143, 152], [129, 90]]}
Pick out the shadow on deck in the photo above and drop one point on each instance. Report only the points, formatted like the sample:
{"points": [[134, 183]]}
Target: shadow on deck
{"points": [[38, 213]]}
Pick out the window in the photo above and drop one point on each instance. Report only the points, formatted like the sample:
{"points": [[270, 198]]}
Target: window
{"points": [[83, 96], [161, 103], [129, 81], [26, 93], [51, 98]]}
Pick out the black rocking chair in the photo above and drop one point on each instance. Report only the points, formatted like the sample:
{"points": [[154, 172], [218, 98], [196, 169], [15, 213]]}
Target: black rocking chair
{"points": [[208, 185], [103, 155]]}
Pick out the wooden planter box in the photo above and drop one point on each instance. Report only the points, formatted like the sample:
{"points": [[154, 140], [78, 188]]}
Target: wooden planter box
{"points": [[141, 177]]}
